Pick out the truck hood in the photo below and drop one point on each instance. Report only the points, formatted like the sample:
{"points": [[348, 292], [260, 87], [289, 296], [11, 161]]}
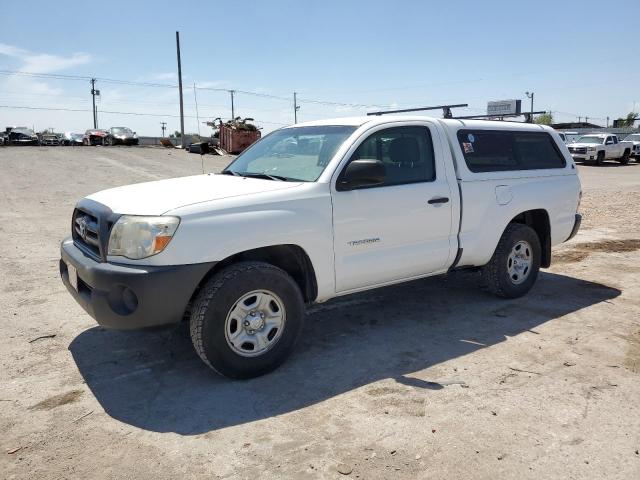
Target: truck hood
{"points": [[584, 144], [156, 198]]}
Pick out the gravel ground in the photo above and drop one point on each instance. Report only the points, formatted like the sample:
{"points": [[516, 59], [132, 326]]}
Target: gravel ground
{"points": [[430, 379]]}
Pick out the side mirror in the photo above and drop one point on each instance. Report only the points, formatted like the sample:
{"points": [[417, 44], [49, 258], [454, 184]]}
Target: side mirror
{"points": [[360, 173]]}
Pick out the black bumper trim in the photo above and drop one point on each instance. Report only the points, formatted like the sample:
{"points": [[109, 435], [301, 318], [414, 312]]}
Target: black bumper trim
{"points": [[160, 294], [576, 227]]}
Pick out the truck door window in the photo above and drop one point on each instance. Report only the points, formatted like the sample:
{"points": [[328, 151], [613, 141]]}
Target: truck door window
{"points": [[615, 140], [501, 150], [407, 154]]}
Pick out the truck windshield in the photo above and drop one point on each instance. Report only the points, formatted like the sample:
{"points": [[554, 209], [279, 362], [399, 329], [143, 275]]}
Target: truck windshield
{"points": [[592, 140], [295, 153]]}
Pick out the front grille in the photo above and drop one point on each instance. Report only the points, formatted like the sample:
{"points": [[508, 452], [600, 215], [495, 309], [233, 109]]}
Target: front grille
{"points": [[578, 149], [86, 232], [90, 228]]}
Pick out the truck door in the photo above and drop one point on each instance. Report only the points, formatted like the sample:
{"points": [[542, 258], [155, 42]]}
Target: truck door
{"points": [[609, 148], [403, 227], [618, 150]]}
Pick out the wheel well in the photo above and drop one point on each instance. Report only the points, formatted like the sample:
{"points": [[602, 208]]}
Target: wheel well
{"points": [[539, 221], [290, 258]]}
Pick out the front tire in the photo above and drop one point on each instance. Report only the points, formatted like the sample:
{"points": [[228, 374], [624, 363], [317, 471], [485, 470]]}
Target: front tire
{"points": [[600, 158], [515, 264], [246, 320]]}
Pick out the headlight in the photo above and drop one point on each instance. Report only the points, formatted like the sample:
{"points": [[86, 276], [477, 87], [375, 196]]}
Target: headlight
{"points": [[140, 237]]}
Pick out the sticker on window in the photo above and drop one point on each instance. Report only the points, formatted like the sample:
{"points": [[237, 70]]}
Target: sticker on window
{"points": [[467, 147], [471, 138]]}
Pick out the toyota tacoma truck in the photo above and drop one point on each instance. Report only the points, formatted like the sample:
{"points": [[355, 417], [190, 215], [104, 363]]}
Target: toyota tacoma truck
{"points": [[599, 147], [315, 211]]}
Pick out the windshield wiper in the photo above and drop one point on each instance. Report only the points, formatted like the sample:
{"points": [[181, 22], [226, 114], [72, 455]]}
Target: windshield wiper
{"points": [[230, 172], [266, 176]]}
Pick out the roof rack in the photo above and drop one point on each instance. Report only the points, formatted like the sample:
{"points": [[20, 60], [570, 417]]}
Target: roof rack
{"points": [[446, 110], [528, 116]]}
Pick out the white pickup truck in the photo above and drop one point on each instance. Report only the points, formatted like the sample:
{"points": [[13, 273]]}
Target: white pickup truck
{"points": [[314, 211], [600, 147], [634, 138]]}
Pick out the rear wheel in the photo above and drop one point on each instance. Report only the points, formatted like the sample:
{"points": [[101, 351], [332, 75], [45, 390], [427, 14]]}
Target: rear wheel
{"points": [[514, 267], [600, 158], [247, 319], [624, 160]]}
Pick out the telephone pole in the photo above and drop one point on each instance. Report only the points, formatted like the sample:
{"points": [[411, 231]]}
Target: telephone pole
{"points": [[296, 107], [182, 139], [93, 98], [233, 111], [164, 127]]}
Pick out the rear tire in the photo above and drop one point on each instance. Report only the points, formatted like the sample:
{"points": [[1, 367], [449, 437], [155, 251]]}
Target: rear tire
{"points": [[245, 304], [624, 160], [514, 266], [600, 158]]}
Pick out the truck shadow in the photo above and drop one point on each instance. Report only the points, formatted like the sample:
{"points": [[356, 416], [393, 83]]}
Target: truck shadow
{"points": [[155, 381]]}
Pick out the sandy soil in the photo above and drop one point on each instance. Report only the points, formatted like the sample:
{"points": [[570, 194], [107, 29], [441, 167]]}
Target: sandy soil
{"points": [[430, 379]]}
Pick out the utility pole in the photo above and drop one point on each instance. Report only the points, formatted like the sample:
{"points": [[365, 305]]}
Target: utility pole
{"points": [[296, 107], [530, 95], [195, 97], [586, 119], [164, 127], [579, 118], [607, 122], [182, 139], [93, 98], [233, 111]]}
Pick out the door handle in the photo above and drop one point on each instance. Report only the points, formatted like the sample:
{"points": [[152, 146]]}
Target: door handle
{"points": [[438, 200]]}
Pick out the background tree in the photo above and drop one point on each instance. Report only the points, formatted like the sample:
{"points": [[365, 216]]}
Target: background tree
{"points": [[544, 119], [626, 122]]}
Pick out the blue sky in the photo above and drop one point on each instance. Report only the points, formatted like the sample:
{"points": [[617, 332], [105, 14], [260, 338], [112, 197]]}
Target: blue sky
{"points": [[397, 54]]}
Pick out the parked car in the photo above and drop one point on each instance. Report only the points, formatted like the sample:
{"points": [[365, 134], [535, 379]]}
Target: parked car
{"points": [[94, 137], [49, 139], [70, 138], [382, 200], [634, 138], [122, 136], [3, 139], [21, 136], [600, 147]]}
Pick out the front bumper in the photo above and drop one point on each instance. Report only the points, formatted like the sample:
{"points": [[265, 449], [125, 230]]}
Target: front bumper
{"points": [[130, 296], [584, 156]]}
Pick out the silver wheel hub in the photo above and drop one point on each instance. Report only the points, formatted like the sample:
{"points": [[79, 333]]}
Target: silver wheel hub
{"points": [[519, 262], [255, 323]]}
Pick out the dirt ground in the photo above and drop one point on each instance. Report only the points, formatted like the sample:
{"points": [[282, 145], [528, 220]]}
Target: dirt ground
{"points": [[430, 379]]}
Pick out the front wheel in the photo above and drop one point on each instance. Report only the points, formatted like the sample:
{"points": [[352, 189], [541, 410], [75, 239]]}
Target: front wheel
{"points": [[246, 320], [600, 158], [514, 267]]}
